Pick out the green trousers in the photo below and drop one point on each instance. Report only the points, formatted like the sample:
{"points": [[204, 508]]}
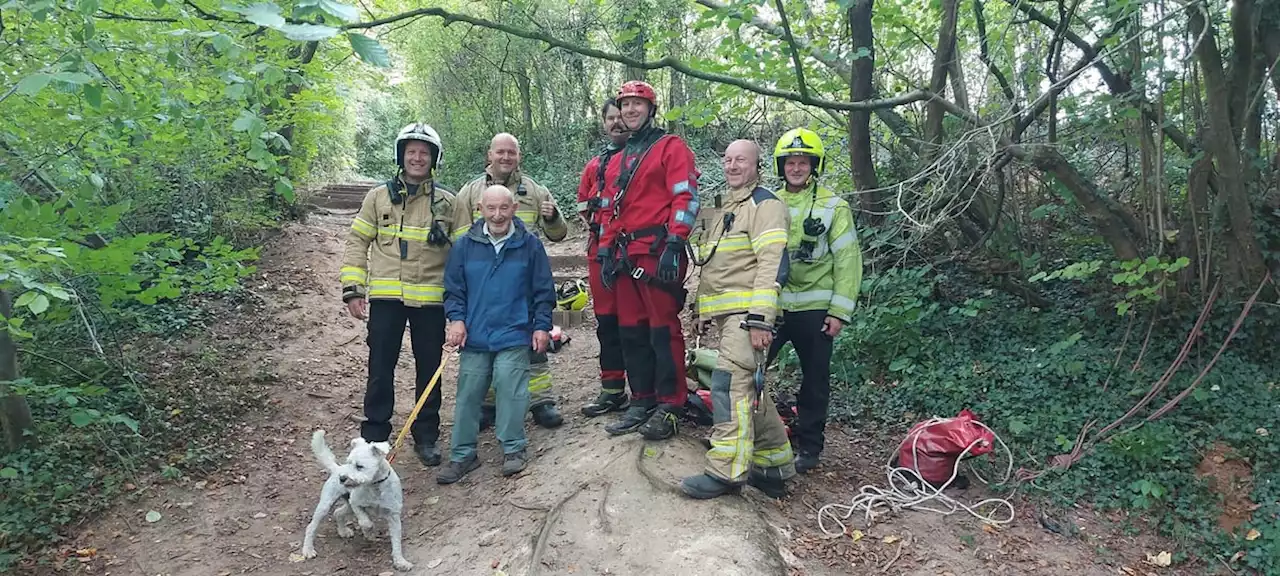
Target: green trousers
{"points": [[506, 372], [539, 382]]}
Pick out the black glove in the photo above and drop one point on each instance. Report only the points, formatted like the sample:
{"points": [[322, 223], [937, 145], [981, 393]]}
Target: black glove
{"points": [[608, 267], [669, 260]]}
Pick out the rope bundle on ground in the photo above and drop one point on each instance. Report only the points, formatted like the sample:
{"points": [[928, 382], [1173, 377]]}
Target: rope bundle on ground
{"points": [[907, 489]]}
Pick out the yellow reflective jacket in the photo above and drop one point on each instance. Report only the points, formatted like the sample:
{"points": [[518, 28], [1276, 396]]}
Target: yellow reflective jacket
{"points": [[529, 198], [387, 256], [830, 278], [741, 248]]}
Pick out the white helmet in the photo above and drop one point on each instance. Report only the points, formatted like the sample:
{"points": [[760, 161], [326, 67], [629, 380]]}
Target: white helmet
{"points": [[423, 132]]}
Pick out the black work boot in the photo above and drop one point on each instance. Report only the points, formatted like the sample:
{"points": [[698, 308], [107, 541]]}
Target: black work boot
{"points": [[456, 470], [605, 403], [706, 487], [631, 420], [547, 416], [488, 415], [767, 480], [427, 453], [806, 461], [663, 423]]}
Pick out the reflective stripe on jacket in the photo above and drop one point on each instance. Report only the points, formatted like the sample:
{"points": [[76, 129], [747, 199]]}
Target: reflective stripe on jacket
{"points": [[662, 191], [590, 190], [387, 257], [830, 279], [747, 262], [529, 198]]}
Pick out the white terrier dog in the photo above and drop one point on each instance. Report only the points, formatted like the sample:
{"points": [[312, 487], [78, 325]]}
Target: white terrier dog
{"points": [[367, 486]]}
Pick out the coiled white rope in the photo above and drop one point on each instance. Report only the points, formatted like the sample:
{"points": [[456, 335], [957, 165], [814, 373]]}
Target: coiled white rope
{"points": [[907, 489]]}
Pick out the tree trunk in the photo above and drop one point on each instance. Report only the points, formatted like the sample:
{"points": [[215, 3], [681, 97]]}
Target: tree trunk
{"points": [[632, 14], [1221, 144], [864, 170], [1105, 214], [938, 81], [15, 415], [1194, 235]]}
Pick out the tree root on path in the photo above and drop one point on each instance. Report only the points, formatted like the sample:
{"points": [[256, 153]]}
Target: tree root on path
{"points": [[653, 478], [549, 521], [601, 513]]}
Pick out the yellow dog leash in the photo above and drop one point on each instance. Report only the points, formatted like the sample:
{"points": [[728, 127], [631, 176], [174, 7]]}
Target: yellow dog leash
{"points": [[444, 358]]}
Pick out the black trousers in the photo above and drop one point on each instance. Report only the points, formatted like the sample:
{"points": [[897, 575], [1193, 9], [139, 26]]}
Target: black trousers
{"points": [[813, 347], [387, 319]]}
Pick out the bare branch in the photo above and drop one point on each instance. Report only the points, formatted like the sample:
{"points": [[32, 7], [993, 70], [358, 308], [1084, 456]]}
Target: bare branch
{"points": [[795, 52], [668, 62], [985, 55]]}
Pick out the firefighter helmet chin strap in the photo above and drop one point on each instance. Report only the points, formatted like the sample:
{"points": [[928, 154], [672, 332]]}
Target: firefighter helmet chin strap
{"points": [[813, 228]]}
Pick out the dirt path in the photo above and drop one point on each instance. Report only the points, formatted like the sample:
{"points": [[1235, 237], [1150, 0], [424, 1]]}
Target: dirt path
{"points": [[588, 503]]}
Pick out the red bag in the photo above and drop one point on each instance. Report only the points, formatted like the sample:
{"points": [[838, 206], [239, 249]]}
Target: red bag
{"points": [[939, 443]]}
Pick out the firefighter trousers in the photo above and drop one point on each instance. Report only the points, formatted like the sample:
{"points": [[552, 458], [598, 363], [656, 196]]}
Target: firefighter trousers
{"points": [[652, 338], [741, 437], [387, 319], [613, 375], [539, 383], [813, 348]]}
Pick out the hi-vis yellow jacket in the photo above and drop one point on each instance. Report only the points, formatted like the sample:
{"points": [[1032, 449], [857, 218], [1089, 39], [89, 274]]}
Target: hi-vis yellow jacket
{"points": [[741, 247], [529, 198], [387, 256], [829, 280]]}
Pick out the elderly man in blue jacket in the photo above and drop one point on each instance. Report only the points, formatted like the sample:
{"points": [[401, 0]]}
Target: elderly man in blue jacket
{"points": [[498, 297]]}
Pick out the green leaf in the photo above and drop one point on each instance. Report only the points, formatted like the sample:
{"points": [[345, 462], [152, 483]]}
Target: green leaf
{"points": [[96, 180], [344, 11], [285, 189], [8, 473], [369, 50], [899, 364], [38, 304], [307, 32], [93, 95], [159, 3], [153, 516], [88, 7], [222, 43], [25, 299], [34, 83], [263, 14], [82, 418]]}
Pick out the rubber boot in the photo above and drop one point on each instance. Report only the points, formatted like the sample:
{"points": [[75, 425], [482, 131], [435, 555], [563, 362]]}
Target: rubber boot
{"points": [[706, 487], [767, 480], [547, 416], [663, 423], [605, 403], [631, 420]]}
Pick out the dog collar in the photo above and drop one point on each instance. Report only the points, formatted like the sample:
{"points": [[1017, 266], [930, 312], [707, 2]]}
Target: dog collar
{"points": [[384, 478]]}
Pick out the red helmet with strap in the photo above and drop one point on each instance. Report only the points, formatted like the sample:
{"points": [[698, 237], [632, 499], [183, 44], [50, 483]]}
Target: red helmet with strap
{"points": [[637, 89]]}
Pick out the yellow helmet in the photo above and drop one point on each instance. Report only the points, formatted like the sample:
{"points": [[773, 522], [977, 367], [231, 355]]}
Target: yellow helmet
{"points": [[800, 142], [572, 295]]}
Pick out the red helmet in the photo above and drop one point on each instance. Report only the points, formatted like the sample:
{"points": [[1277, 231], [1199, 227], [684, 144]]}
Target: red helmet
{"points": [[638, 89]]}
